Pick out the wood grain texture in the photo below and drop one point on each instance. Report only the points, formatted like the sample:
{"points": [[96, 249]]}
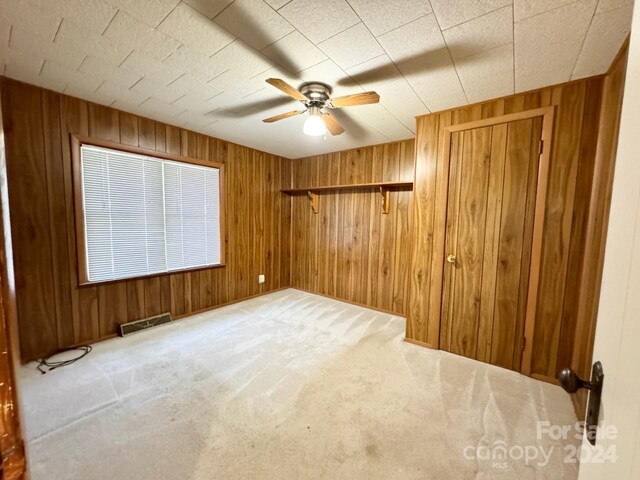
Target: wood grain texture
{"points": [[489, 210], [11, 441], [54, 312], [596, 223], [350, 250], [572, 154]]}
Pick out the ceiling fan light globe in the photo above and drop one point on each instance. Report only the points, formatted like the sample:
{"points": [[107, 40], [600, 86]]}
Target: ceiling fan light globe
{"points": [[314, 126]]}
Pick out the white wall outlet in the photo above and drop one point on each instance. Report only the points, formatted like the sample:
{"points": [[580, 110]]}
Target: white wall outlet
{"points": [[260, 278]]}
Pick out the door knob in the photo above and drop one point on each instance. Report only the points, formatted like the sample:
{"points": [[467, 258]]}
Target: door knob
{"points": [[571, 382], [451, 258]]}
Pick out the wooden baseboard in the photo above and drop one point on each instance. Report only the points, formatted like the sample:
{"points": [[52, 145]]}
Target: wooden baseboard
{"points": [[419, 343], [177, 317], [226, 304], [363, 305]]}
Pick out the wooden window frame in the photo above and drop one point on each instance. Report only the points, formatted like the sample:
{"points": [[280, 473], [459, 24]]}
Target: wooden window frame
{"points": [[77, 141]]}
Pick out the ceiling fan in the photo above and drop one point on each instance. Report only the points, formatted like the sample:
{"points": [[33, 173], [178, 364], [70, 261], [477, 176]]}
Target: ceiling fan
{"points": [[316, 96]]}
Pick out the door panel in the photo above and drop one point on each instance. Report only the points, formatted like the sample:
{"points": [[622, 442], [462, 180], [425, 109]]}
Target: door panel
{"points": [[492, 186], [466, 219]]}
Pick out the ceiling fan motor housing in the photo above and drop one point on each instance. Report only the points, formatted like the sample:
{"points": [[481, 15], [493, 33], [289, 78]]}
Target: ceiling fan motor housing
{"points": [[317, 93]]}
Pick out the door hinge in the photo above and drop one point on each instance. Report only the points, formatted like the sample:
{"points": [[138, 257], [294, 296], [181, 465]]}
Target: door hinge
{"points": [[540, 147], [523, 343]]}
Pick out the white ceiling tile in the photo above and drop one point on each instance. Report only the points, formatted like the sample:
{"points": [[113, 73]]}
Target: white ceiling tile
{"points": [[146, 66], [396, 95], [178, 67], [194, 63], [382, 16], [351, 47], [57, 73], [194, 102], [195, 87], [483, 33], [425, 62], [605, 36], [5, 33], [277, 4], [254, 22], [528, 8], [23, 73], [135, 35], [151, 12], [242, 59], [151, 88], [26, 65], [27, 15], [331, 74], [454, 12], [126, 106], [92, 14], [238, 85], [606, 5], [194, 119], [124, 95], [294, 52], [318, 22], [245, 69], [195, 30], [28, 43], [488, 74], [161, 107], [209, 8], [168, 119], [91, 95], [378, 118], [547, 45], [108, 71], [75, 38]]}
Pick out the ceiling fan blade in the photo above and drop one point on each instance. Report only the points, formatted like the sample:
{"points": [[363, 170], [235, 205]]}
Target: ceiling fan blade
{"points": [[355, 99], [286, 88], [282, 116], [332, 124]]}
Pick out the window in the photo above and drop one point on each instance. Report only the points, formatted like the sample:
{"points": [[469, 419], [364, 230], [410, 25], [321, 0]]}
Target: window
{"points": [[142, 215]]}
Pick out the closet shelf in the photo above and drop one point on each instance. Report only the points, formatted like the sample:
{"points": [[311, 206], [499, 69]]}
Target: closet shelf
{"points": [[383, 187], [353, 186]]}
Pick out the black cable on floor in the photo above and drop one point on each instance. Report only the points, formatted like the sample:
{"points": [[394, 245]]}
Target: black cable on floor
{"points": [[52, 365]]}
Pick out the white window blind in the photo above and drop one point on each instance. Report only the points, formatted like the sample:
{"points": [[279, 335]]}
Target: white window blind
{"points": [[145, 215]]}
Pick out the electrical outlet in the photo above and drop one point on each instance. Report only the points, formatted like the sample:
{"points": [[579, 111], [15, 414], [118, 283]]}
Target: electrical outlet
{"points": [[260, 278]]}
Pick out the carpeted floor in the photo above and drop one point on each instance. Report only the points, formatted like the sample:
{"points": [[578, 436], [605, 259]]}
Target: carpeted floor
{"points": [[286, 386]]}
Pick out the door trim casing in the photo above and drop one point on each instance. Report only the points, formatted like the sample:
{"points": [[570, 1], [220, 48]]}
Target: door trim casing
{"points": [[547, 114]]}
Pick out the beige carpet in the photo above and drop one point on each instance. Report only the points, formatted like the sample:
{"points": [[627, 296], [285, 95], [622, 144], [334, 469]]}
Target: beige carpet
{"points": [[285, 386]]}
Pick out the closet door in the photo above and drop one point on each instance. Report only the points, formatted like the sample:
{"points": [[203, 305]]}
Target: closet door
{"points": [[490, 213]]}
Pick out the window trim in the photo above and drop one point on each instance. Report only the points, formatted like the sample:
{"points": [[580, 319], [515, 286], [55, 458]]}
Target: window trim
{"points": [[77, 141]]}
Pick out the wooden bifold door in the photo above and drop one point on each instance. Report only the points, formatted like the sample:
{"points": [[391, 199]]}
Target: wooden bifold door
{"points": [[493, 174]]}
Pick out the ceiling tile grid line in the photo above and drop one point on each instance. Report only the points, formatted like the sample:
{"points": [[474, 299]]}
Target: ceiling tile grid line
{"points": [[451, 56], [198, 62], [584, 38], [345, 74], [387, 53]]}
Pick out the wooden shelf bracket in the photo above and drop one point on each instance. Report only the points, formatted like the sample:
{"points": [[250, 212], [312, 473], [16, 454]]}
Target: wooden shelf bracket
{"points": [[313, 201], [385, 200], [385, 188]]}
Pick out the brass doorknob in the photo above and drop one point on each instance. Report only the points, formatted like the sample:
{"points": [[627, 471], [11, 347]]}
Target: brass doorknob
{"points": [[451, 258]]}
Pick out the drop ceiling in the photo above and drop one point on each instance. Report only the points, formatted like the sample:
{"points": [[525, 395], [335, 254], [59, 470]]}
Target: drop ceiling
{"points": [[201, 64]]}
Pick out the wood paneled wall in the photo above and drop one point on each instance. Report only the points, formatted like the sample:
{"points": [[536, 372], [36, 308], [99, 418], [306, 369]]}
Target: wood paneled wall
{"points": [[350, 250], [598, 218], [53, 311], [567, 203]]}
